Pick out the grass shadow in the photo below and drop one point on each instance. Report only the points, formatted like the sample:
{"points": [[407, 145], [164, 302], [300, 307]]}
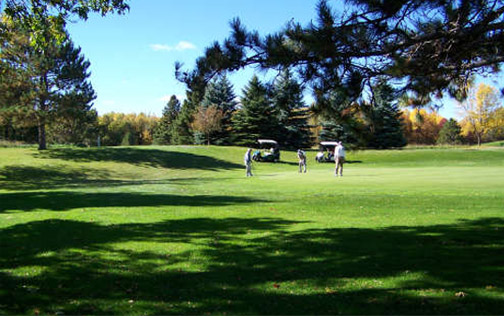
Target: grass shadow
{"points": [[21, 178], [353, 161], [140, 156], [252, 266], [66, 200]]}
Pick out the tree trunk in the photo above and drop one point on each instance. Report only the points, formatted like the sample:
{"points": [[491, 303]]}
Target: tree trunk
{"points": [[479, 139], [41, 135]]}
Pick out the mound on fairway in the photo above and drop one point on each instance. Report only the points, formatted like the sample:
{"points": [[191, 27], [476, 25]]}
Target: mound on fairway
{"points": [[181, 230]]}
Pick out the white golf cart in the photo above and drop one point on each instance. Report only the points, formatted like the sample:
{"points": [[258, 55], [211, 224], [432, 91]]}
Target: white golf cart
{"points": [[267, 151], [326, 151]]}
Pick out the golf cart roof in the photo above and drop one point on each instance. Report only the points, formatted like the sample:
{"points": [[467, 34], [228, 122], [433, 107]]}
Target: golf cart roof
{"points": [[267, 141], [329, 143]]}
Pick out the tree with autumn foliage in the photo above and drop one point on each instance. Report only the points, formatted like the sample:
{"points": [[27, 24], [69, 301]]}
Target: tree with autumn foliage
{"points": [[208, 120], [478, 110], [496, 131], [126, 129], [421, 126]]}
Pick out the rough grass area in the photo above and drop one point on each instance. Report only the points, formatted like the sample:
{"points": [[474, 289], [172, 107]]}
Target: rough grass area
{"points": [[181, 230]]}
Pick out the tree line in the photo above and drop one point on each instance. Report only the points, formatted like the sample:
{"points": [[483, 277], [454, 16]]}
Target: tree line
{"points": [[363, 67]]}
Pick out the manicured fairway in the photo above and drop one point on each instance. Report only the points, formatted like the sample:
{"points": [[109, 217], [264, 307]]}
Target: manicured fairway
{"points": [[180, 230]]}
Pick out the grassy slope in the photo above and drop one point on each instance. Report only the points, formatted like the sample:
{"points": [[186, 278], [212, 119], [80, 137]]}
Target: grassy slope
{"points": [[159, 230]]}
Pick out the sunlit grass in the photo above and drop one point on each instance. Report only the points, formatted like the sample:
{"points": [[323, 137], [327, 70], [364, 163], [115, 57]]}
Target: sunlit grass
{"points": [[180, 230]]}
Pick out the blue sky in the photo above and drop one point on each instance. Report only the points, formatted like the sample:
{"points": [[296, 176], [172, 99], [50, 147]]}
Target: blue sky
{"points": [[133, 55]]}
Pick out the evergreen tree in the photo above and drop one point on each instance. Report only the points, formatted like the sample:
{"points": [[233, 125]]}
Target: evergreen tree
{"points": [[384, 119], [219, 93], [256, 118], [450, 133], [427, 47], [164, 129], [333, 131], [287, 98], [55, 79], [338, 117], [181, 133]]}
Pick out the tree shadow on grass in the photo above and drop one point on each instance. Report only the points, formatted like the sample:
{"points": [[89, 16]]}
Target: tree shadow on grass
{"points": [[20, 177], [353, 161], [140, 156], [251, 266], [66, 200]]}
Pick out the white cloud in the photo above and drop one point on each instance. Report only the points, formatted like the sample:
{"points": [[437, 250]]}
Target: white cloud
{"points": [[182, 45]]}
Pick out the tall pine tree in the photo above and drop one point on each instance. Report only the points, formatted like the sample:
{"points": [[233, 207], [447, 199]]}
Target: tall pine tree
{"points": [[384, 119], [256, 118], [287, 98], [164, 129], [338, 118], [55, 79], [219, 93]]}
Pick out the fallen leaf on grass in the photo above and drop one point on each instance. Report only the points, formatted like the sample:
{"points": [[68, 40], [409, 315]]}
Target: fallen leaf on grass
{"points": [[460, 294], [276, 285], [328, 290]]}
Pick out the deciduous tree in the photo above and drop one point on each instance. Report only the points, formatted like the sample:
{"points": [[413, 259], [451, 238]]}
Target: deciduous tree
{"points": [[208, 120], [46, 19], [478, 110], [421, 126]]}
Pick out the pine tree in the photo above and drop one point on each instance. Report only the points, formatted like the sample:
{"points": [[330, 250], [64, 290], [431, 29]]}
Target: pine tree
{"points": [[384, 119], [219, 93], [55, 80], [450, 133], [333, 131], [256, 118], [181, 132], [287, 98], [338, 118], [164, 129], [426, 47]]}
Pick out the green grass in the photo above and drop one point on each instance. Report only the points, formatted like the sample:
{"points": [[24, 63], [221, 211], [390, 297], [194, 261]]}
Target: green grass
{"points": [[180, 230], [494, 144]]}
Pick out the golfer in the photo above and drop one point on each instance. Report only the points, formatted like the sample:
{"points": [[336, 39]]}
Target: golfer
{"points": [[339, 159], [302, 160], [247, 160]]}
